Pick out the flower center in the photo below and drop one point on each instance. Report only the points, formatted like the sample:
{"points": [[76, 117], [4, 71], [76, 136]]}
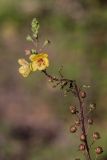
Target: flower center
{"points": [[41, 62]]}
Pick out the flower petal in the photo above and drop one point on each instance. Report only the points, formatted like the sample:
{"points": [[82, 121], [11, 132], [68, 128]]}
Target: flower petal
{"points": [[22, 61], [33, 57], [33, 66], [24, 70]]}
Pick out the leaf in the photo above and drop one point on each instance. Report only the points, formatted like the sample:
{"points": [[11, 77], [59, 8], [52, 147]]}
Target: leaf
{"points": [[35, 27], [29, 38]]}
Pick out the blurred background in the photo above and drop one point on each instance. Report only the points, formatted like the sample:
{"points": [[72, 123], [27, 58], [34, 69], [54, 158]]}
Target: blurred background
{"points": [[34, 117]]}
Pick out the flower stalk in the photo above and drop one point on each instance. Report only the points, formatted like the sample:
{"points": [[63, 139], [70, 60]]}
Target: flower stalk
{"points": [[81, 103], [38, 61]]}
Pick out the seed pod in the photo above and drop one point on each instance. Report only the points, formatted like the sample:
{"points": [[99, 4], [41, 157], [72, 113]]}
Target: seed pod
{"points": [[83, 94], [73, 109], [73, 129], [90, 121], [82, 147], [98, 150], [77, 122], [82, 137], [96, 135], [92, 106]]}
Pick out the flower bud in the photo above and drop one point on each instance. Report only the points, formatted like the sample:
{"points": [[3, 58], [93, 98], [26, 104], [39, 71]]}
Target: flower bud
{"points": [[82, 137], [98, 150], [90, 121], [27, 52], [73, 109], [83, 94], [82, 147], [77, 122], [96, 135], [73, 129]]}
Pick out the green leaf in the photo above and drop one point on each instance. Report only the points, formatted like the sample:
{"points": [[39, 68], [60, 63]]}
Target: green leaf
{"points": [[35, 27], [33, 51], [29, 38], [46, 42]]}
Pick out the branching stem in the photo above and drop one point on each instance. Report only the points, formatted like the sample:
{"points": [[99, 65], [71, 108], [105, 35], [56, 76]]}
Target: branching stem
{"points": [[83, 121], [81, 106]]}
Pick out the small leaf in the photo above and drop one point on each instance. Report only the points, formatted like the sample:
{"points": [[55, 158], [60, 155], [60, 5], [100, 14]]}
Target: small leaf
{"points": [[46, 42], [86, 86], [35, 27], [33, 51], [29, 38]]}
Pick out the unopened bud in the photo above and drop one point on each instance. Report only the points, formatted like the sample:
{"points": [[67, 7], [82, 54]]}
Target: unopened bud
{"points": [[96, 135], [73, 129], [77, 122], [90, 121], [82, 147], [98, 150], [82, 94], [73, 109], [82, 137], [27, 52]]}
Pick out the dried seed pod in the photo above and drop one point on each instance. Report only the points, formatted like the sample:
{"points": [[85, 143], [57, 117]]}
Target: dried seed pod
{"points": [[90, 121], [82, 147], [82, 137], [77, 122], [98, 150], [92, 106], [73, 109], [83, 94], [73, 129], [96, 135]]}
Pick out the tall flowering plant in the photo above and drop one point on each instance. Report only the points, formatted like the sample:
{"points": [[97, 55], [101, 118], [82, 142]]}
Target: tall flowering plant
{"points": [[39, 61]]}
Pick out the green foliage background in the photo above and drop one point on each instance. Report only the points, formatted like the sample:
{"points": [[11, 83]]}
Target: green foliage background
{"points": [[78, 32]]}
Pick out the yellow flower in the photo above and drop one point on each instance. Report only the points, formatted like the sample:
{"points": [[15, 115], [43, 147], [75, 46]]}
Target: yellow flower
{"points": [[39, 61], [25, 68]]}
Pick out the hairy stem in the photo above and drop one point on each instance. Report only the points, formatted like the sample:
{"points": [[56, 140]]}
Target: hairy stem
{"points": [[77, 91], [57, 79], [83, 121]]}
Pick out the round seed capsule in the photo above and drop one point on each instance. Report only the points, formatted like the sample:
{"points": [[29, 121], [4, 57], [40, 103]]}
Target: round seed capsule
{"points": [[90, 121], [83, 94], [82, 137], [96, 135], [73, 129], [73, 109], [82, 147], [98, 150]]}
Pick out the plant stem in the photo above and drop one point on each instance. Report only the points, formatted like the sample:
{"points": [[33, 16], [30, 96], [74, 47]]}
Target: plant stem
{"points": [[57, 79], [77, 91], [82, 120]]}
